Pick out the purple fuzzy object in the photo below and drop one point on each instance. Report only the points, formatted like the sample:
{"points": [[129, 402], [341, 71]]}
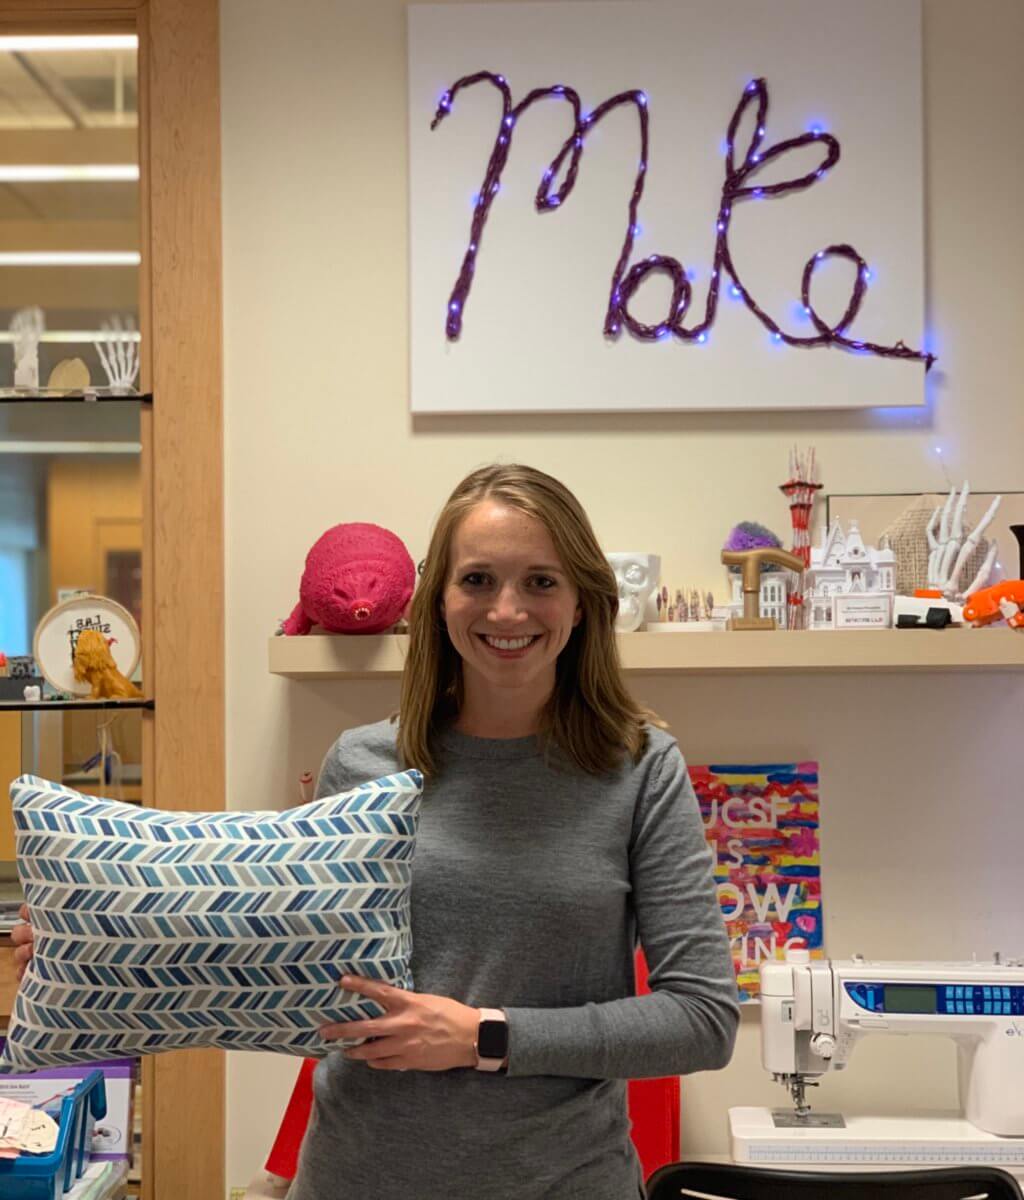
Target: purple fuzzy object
{"points": [[749, 535]]}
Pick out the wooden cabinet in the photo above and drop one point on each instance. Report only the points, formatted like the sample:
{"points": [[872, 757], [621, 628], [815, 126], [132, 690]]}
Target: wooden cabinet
{"points": [[182, 743], [10, 768], [8, 979]]}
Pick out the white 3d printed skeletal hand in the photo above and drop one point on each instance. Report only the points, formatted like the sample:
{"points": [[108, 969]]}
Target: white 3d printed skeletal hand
{"points": [[950, 550], [27, 326], [119, 352], [637, 576]]}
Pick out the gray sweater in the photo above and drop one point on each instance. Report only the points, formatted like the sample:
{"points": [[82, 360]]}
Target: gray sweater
{"points": [[532, 885]]}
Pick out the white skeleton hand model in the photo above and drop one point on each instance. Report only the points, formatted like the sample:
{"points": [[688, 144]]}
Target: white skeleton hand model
{"points": [[119, 352], [27, 326], [950, 550]]}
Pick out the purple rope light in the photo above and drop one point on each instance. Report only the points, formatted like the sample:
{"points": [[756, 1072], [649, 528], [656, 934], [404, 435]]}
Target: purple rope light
{"points": [[736, 188]]}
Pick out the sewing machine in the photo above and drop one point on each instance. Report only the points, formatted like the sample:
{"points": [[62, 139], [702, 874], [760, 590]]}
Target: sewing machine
{"points": [[814, 1011]]}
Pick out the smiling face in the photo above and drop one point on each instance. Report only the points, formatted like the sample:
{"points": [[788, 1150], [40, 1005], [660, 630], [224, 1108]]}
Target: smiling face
{"points": [[508, 603]]}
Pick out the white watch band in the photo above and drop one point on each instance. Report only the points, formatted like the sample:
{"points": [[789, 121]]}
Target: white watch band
{"points": [[489, 1064]]}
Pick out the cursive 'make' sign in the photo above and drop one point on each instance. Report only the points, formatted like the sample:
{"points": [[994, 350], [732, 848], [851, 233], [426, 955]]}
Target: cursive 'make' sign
{"points": [[664, 206]]}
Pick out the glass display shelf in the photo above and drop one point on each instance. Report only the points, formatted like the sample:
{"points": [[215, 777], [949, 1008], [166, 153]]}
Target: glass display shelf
{"points": [[73, 705], [91, 396]]}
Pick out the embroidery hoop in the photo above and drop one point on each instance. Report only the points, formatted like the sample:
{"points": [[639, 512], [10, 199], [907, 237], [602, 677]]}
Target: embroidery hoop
{"points": [[52, 640]]}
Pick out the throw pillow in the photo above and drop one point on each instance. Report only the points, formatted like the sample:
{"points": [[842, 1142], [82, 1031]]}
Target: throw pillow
{"points": [[160, 930]]}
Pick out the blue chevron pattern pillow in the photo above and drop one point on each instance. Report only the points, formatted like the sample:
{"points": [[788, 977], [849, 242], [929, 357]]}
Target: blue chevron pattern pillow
{"points": [[160, 931]]}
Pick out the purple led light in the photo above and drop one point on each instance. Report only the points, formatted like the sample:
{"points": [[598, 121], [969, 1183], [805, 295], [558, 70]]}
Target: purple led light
{"points": [[624, 282]]}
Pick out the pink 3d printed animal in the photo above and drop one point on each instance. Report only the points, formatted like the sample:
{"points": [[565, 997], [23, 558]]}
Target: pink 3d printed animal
{"points": [[358, 579]]}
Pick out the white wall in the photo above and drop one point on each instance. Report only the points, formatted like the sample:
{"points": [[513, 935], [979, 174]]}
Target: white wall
{"points": [[922, 821]]}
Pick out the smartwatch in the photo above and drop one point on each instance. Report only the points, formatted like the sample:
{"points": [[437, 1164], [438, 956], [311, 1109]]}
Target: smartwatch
{"points": [[491, 1044]]}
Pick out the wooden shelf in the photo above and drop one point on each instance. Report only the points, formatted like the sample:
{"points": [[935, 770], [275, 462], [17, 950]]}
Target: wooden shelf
{"points": [[338, 657], [383, 656]]}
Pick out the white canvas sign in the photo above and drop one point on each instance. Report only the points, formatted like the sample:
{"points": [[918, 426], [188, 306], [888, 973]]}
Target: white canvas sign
{"points": [[532, 325]]}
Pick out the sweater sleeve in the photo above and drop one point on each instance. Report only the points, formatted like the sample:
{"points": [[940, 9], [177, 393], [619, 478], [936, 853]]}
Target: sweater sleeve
{"points": [[688, 1022], [334, 777]]}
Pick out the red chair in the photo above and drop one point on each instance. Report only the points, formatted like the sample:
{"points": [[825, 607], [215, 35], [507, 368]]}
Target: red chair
{"points": [[653, 1107]]}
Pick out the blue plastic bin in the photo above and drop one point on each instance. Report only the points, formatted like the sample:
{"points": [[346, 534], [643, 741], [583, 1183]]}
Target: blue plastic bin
{"points": [[49, 1176]]}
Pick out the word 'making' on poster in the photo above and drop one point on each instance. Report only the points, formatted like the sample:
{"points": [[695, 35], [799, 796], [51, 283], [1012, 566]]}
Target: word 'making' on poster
{"points": [[761, 824]]}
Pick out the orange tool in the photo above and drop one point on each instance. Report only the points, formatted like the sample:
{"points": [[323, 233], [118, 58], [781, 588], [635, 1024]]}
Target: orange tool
{"points": [[993, 603]]}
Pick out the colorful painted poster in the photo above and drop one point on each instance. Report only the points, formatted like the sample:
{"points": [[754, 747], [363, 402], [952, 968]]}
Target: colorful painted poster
{"points": [[761, 823]]}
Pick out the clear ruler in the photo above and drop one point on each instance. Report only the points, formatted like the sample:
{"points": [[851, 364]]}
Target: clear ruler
{"points": [[867, 1154]]}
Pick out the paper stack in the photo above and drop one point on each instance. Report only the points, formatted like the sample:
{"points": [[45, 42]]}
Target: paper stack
{"points": [[23, 1128]]}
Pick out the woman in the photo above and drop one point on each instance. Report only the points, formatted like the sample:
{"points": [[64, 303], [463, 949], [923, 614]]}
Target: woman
{"points": [[558, 828]]}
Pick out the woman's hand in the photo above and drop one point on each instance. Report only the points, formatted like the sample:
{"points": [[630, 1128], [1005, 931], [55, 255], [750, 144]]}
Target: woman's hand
{"points": [[417, 1032], [22, 936]]}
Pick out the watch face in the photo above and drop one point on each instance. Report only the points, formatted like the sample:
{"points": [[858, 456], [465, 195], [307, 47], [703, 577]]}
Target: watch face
{"points": [[492, 1039]]}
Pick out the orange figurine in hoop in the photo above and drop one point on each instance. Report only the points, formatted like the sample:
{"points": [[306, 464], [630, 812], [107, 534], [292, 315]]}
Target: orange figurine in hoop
{"points": [[94, 665]]}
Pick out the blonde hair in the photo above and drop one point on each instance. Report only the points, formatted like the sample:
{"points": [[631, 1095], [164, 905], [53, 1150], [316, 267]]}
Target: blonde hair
{"points": [[591, 716]]}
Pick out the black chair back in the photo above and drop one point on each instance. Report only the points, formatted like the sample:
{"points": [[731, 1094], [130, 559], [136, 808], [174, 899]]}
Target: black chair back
{"points": [[680, 1181]]}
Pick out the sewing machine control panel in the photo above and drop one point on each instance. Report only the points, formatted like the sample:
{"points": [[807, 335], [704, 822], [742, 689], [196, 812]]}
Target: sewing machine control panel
{"points": [[938, 999]]}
